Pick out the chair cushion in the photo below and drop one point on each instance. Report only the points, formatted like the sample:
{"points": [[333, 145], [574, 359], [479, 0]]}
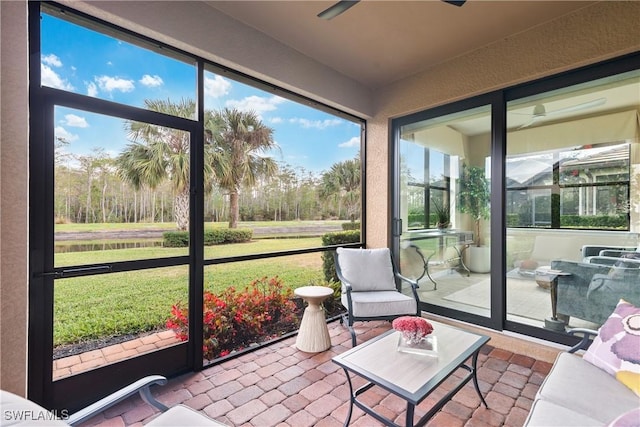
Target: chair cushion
{"points": [[367, 269], [381, 303], [616, 348]]}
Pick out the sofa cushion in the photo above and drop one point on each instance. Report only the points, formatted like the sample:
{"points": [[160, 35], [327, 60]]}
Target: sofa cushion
{"points": [[577, 384], [548, 414], [616, 348]]}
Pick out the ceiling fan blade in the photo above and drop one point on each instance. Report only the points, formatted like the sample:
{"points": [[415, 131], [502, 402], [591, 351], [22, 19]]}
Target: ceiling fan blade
{"points": [[337, 9], [578, 107], [455, 2], [343, 5]]}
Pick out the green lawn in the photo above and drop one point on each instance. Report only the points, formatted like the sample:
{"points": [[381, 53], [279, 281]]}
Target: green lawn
{"points": [[122, 303]]}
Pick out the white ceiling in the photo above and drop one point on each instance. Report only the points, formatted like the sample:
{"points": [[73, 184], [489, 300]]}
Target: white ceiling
{"points": [[379, 42]]}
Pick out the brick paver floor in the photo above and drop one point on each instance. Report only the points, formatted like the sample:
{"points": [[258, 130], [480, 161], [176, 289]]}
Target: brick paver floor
{"points": [[279, 385], [67, 366]]}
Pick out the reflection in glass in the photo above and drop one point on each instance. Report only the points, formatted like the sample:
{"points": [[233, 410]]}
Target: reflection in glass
{"points": [[572, 188], [444, 207]]}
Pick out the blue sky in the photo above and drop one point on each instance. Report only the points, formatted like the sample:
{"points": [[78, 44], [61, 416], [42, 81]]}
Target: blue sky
{"points": [[86, 62]]}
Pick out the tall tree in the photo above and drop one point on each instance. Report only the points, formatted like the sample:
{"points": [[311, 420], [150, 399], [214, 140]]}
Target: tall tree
{"points": [[240, 144], [342, 183], [158, 153]]}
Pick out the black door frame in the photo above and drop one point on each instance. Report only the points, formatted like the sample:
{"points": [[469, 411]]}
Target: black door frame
{"points": [[74, 392]]}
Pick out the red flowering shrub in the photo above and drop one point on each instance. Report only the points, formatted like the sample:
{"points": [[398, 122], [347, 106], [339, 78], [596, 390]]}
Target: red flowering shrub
{"points": [[234, 320]]}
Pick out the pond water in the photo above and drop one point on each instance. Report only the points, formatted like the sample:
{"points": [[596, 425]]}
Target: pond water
{"points": [[84, 247]]}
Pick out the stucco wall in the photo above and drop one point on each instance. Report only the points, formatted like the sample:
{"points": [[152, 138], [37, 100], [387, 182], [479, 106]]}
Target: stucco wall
{"points": [[602, 31], [13, 196]]}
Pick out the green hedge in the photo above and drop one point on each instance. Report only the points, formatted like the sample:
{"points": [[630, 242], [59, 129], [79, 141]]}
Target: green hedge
{"points": [[594, 221], [574, 221], [175, 239], [218, 236], [336, 238], [346, 226]]}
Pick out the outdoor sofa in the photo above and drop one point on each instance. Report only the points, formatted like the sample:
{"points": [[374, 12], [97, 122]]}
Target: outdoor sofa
{"points": [[578, 393]]}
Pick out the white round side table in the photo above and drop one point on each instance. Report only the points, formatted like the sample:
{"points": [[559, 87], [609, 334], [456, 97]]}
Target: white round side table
{"points": [[313, 335]]}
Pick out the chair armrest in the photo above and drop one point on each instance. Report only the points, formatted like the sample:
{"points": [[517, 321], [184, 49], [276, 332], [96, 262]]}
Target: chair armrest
{"points": [[413, 283], [610, 261], [615, 252], [594, 250], [586, 334], [601, 260], [141, 386]]}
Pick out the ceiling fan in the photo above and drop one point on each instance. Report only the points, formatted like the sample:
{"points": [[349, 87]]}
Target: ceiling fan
{"points": [[343, 5], [540, 112]]}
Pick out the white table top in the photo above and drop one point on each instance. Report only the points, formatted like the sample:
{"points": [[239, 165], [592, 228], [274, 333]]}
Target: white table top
{"points": [[313, 291]]}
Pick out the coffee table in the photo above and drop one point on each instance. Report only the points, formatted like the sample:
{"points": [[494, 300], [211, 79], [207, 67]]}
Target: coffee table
{"points": [[409, 376]]}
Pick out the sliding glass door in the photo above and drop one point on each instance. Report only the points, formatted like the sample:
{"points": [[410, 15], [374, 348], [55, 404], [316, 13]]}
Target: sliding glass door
{"points": [[572, 182], [442, 212], [545, 175]]}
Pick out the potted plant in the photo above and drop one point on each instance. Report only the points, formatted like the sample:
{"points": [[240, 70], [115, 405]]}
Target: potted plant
{"points": [[474, 197], [443, 214]]}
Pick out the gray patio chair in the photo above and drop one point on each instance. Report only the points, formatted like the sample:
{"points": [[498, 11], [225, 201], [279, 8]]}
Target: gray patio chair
{"points": [[18, 411], [369, 290]]}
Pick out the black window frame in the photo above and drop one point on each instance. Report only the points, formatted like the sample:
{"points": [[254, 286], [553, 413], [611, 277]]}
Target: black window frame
{"points": [[42, 100]]}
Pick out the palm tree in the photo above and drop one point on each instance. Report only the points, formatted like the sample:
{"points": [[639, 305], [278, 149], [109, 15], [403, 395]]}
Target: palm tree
{"points": [[240, 143], [342, 183], [158, 153]]}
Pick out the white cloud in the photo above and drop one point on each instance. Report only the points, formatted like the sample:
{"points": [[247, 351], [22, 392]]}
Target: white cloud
{"points": [[276, 120], [75, 121], [109, 84], [151, 81], [317, 124], [52, 60], [216, 87], [92, 89], [257, 104], [353, 142], [52, 79], [62, 133]]}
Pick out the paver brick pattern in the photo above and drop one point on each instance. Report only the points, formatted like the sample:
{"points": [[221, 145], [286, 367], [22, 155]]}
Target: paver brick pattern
{"points": [[279, 385]]}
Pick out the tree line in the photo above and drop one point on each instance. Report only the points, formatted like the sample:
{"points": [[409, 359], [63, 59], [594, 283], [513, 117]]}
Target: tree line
{"points": [[148, 181]]}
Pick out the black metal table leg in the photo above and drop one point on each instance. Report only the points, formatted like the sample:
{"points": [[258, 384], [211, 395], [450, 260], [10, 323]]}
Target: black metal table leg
{"points": [[475, 378]]}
